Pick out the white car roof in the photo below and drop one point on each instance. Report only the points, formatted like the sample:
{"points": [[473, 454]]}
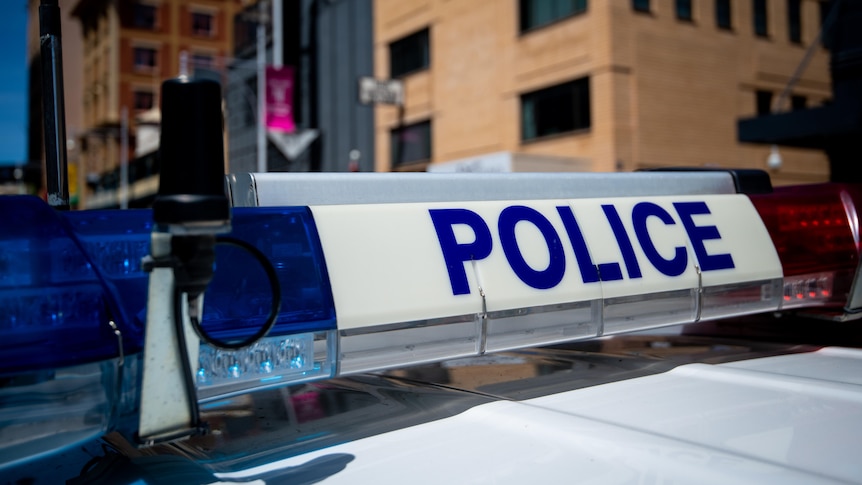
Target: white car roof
{"points": [[787, 419]]}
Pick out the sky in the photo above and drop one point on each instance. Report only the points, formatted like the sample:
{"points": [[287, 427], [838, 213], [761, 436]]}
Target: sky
{"points": [[13, 82]]}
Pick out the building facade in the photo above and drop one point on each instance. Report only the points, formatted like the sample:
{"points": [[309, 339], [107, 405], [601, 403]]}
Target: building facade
{"points": [[603, 85], [329, 46], [129, 48]]}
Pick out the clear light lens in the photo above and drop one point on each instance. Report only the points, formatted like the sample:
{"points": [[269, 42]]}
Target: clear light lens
{"points": [[547, 325], [390, 346], [44, 411], [272, 361], [741, 299], [808, 290], [642, 312]]}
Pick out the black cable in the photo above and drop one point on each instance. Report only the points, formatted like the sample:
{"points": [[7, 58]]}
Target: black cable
{"points": [[188, 380], [274, 309]]}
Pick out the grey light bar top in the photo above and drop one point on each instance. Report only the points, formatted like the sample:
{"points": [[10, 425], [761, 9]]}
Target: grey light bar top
{"points": [[333, 188]]}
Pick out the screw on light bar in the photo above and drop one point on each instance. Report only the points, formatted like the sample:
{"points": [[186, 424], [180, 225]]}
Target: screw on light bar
{"points": [[815, 229]]}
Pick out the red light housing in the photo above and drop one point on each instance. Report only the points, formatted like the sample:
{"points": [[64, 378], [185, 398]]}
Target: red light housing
{"points": [[815, 230]]}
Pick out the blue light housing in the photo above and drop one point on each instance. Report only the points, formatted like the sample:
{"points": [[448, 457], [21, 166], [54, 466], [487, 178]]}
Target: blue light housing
{"points": [[64, 276], [239, 297], [54, 310]]}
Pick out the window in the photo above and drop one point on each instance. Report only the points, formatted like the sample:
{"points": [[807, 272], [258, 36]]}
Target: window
{"points": [[411, 143], [202, 24], [144, 100], [558, 109], [797, 102], [794, 21], [683, 9], [536, 13], [722, 14], [144, 16], [640, 5], [760, 19], [764, 102], [409, 54], [145, 58]]}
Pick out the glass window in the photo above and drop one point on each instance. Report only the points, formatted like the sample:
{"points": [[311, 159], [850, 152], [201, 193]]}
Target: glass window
{"points": [[143, 100], [764, 102], [760, 18], [144, 16], [536, 13], [683, 9], [412, 53], [722, 14], [411, 143], [145, 58], [794, 21], [558, 109], [641, 5], [202, 24]]}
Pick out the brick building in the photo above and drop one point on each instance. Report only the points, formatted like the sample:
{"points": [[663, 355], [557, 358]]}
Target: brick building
{"points": [[129, 48], [601, 85]]}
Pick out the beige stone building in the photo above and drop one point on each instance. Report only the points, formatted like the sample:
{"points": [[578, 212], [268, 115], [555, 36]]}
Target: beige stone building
{"points": [[129, 48], [594, 85]]}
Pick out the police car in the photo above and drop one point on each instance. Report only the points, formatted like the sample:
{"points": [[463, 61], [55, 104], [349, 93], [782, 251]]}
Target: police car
{"points": [[680, 326]]}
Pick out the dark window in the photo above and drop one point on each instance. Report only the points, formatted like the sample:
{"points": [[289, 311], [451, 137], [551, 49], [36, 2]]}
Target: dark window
{"points": [[683, 9], [557, 109], [760, 18], [145, 58], [409, 54], [411, 143], [536, 13], [764, 102], [144, 16], [797, 102], [794, 20], [640, 5], [722, 14], [144, 100], [202, 24]]}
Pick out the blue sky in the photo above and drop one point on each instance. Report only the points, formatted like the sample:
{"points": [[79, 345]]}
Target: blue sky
{"points": [[13, 82]]}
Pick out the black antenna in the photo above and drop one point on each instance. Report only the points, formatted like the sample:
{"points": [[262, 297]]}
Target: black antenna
{"points": [[53, 105]]}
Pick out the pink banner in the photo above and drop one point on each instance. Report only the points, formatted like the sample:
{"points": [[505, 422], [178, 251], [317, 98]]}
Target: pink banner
{"points": [[279, 99]]}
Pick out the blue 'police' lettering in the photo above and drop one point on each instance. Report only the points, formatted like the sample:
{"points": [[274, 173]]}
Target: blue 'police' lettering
{"points": [[539, 279], [623, 241], [589, 273], [671, 267], [699, 234], [455, 254]]}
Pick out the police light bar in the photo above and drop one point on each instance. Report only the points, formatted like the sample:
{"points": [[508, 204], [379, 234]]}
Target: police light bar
{"points": [[401, 280]]}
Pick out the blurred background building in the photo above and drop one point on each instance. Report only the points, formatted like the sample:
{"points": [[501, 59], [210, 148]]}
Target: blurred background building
{"points": [[437, 85], [328, 46], [606, 85]]}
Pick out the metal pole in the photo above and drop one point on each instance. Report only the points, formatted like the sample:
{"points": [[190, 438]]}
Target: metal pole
{"points": [[53, 105], [261, 88], [277, 34]]}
